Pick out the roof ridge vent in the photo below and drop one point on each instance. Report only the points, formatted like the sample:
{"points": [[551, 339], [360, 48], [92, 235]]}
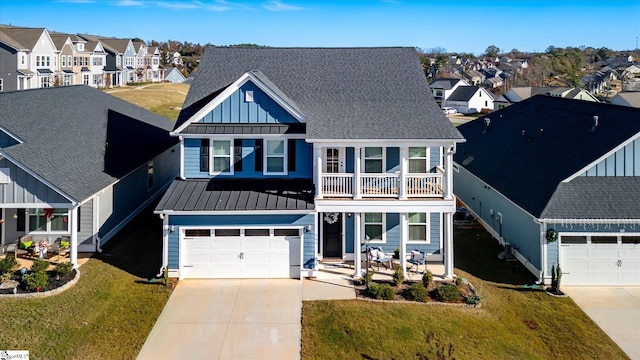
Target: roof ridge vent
{"points": [[595, 123]]}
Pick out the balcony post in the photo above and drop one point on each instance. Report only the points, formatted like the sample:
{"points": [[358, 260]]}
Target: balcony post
{"points": [[448, 175], [404, 167], [357, 151], [404, 235], [73, 226], [357, 246], [448, 245], [318, 161]]}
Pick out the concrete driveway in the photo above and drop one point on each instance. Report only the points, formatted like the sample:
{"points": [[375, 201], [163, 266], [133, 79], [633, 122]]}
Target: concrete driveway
{"points": [[615, 309], [229, 319]]}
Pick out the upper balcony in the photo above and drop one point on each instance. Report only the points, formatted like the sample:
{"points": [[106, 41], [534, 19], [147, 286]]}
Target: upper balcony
{"points": [[343, 185]]}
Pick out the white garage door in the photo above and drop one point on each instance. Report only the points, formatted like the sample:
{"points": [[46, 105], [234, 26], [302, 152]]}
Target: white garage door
{"points": [[232, 257], [600, 260]]}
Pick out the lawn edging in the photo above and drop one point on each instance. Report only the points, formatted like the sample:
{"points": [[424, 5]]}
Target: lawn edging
{"points": [[41, 294]]}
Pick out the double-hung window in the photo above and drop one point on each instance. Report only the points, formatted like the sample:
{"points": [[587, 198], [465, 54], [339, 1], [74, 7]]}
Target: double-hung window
{"points": [[48, 220], [418, 227], [222, 155], [275, 157], [373, 160], [374, 226], [418, 160]]}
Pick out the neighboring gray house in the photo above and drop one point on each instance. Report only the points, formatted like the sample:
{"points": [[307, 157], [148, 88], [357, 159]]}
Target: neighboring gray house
{"points": [[627, 98], [470, 99], [77, 162], [573, 93], [174, 75], [559, 181], [443, 88], [517, 94]]}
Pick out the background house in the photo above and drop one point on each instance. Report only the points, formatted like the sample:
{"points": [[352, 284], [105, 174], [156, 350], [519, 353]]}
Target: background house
{"points": [[174, 75], [444, 87], [550, 166], [470, 99], [627, 98], [83, 173]]}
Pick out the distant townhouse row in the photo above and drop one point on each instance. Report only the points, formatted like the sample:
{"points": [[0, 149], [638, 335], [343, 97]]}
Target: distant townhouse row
{"points": [[37, 58]]}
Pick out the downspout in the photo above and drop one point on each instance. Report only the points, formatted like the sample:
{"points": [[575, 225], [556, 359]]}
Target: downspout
{"points": [[96, 221], [543, 251], [165, 231]]}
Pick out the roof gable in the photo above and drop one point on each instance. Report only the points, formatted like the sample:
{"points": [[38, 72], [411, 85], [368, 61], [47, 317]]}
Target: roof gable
{"points": [[344, 93], [531, 146]]}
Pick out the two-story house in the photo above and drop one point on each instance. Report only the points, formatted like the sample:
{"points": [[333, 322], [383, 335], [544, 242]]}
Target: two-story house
{"points": [[558, 180], [470, 99], [443, 88], [291, 156], [28, 58], [65, 74]]}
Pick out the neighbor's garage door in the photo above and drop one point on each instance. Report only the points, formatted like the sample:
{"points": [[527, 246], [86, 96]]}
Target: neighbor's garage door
{"points": [[240, 253], [600, 260]]}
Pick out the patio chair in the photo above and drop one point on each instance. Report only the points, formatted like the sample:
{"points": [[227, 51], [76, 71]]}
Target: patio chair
{"points": [[379, 257], [418, 257], [24, 247]]}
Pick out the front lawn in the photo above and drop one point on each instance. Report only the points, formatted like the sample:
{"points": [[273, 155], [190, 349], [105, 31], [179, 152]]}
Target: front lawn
{"points": [[161, 98], [107, 315], [512, 323]]}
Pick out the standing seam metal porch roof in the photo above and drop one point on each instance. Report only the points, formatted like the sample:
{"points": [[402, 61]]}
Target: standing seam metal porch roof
{"points": [[343, 93]]}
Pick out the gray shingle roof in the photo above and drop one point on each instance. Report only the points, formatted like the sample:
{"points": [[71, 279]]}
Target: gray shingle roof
{"points": [[446, 84], [465, 93], [237, 195], [528, 169], [591, 197], [21, 37], [79, 138], [344, 93]]}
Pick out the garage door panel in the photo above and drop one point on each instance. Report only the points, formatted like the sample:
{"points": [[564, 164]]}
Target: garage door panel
{"points": [[197, 258], [198, 244], [197, 272], [226, 244]]}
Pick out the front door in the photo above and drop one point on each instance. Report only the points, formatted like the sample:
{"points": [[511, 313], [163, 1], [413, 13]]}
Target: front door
{"points": [[334, 161], [332, 235]]}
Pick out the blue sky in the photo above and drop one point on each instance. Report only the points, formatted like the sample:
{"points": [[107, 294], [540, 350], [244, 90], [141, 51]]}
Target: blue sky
{"points": [[457, 26]]}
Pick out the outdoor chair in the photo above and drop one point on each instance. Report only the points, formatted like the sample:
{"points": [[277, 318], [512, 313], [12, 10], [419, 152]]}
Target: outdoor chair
{"points": [[418, 257], [379, 257], [23, 247]]}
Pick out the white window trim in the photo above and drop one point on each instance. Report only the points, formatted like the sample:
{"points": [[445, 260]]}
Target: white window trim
{"points": [[427, 158], [384, 228], [212, 156], [384, 159], [266, 156], [5, 174], [427, 232], [48, 232]]}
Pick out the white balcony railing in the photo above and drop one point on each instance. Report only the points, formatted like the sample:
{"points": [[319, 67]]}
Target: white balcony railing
{"points": [[382, 185]]}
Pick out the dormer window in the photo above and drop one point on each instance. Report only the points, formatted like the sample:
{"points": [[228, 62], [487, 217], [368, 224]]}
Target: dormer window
{"points": [[80, 47]]}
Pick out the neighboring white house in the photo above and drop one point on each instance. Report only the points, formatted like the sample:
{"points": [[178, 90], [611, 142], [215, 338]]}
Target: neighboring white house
{"points": [[470, 99], [443, 88]]}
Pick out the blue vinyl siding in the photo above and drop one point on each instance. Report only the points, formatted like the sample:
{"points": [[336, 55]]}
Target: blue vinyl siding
{"points": [[393, 159], [349, 229], [624, 162], [518, 227], [435, 158], [235, 109], [349, 160], [25, 189], [308, 251], [304, 163]]}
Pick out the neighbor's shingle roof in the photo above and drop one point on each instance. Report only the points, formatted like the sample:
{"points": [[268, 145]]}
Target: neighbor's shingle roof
{"points": [[20, 37], [79, 138], [465, 93], [344, 93], [446, 84], [528, 169]]}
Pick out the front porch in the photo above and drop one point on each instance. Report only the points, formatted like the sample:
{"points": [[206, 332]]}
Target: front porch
{"points": [[27, 263], [346, 269], [428, 185]]}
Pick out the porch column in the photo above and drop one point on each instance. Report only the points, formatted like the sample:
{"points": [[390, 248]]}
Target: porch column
{"points": [[448, 245], [404, 234], [357, 246], [448, 173], [318, 161], [73, 224], [404, 167], [357, 152]]}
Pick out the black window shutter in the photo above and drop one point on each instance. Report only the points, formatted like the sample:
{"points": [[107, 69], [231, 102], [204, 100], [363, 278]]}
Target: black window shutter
{"points": [[204, 155], [258, 151], [21, 220], [237, 155], [291, 155]]}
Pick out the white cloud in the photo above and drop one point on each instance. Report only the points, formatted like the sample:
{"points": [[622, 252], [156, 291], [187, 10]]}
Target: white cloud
{"points": [[75, 1], [276, 5], [128, 3], [177, 5]]}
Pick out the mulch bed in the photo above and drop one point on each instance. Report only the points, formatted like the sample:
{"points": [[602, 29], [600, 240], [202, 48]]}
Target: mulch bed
{"points": [[53, 283], [465, 290]]}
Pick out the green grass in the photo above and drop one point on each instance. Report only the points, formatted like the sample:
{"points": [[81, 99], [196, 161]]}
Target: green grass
{"points": [[107, 315], [510, 324], [163, 99]]}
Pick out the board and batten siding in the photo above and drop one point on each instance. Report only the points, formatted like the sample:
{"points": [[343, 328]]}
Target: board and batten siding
{"points": [[26, 189], [392, 158], [85, 212], [303, 154], [266, 221], [624, 162], [518, 228], [235, 109]]}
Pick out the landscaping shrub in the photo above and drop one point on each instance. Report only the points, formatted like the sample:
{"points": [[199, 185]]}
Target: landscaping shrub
{"points": [[382, 291], [416, 292], [39, 265], [398, 276], [8, 265], [448, 293], [64, 269], [476, 297], [427, 279], [36, 280], [458, 281]]}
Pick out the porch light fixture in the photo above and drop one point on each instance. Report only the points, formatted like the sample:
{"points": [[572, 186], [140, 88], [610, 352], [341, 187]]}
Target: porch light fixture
{"points": [[15, 216], [172, 229], [307, 228]]}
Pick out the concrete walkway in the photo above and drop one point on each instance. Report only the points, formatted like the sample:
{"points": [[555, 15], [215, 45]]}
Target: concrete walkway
{"points": [[615, 309], [229, 319]]}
